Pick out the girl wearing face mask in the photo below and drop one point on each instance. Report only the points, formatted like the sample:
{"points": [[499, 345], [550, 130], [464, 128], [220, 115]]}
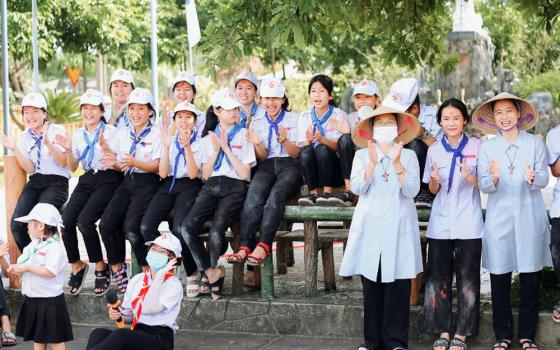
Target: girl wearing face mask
{"points": [[512, 170], [122, 84], [454, 230], [43, 158], [277, 178], [246, 92], [179, 167], [150, 305], [384, 241], [227, 158], [92, 194], [318, 134], [135, 152]]}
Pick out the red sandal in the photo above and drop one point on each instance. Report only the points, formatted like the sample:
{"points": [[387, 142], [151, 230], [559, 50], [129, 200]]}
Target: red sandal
{"points": [[253, 260], [236, 258]]}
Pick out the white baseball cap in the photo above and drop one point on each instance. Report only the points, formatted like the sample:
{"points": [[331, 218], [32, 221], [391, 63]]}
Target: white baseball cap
{"points": [[247, 76], [402, 94], [366, 87], [123, 75], [183, 76], [225, 98], [92, 97], [168, 241], [141, 96], [45, 213], [34, 99], [272, 87], [185, 106]]}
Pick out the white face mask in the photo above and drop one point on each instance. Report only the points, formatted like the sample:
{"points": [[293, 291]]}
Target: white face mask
{"points": [[385, 134]]}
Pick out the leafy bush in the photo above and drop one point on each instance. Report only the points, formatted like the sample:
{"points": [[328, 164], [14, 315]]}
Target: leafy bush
{"points": [[549, 81], [549, 291], [63, 106]]}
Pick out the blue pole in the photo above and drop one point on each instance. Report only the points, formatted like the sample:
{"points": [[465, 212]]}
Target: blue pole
{"points": [[154, 58], [35, 43]]}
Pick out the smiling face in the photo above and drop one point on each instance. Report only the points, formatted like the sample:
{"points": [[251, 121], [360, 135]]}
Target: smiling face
{"points": [[273, 105], [319, 96], [184, 120], [139, 114], [361, 100], [34, 117], [506, 114], [452, 121], [245, 92], [91, 114], [227, 117], [183, 91], [120, 91]]}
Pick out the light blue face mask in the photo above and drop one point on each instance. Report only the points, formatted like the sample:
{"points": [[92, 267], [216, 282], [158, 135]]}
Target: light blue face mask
{"points": [[156, 260]]}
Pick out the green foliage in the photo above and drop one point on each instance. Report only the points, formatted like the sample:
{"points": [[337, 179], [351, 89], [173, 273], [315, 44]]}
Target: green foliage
{"points": [[549, 81], [62, 106], [549, 292]]}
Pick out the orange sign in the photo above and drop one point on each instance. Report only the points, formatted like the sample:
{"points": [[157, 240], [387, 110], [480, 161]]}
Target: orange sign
{"points": [[73, 74]]}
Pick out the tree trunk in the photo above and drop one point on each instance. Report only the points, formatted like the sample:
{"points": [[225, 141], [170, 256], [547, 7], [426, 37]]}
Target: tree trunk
{"points": [[16, 84]]}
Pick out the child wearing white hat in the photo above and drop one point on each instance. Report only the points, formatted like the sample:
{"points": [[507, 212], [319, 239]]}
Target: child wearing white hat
{"points": [[43, 158], [43, 316], [121, 85], [92, 194], [135, 152], [246, 91], [179, 169]]}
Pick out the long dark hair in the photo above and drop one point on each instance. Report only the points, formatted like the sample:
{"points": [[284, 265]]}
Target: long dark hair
{"points": [[456, 103], [326, 82], [211, 121]]}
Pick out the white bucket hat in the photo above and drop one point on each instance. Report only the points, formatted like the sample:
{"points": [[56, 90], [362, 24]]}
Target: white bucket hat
{"points": [[183, 76], [185, 106], [249, 76], [45, 213], [123, 75], [272, 87], [92, 97], [402, 94], [34, 99], [141, 96], [225, 98], [366, 87], [169, 242]]}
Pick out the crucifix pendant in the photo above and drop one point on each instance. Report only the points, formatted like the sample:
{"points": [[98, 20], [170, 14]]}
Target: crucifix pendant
{"points": [[511, 169], [386, 177]]}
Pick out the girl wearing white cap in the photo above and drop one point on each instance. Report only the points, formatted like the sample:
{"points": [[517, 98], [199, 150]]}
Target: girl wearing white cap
{"points": [[277, 177], [136, 152], [179, 167], [43, 317], [318, 131], [92, 194], [151, 303], [227, 159], [246, 91], [40, 155], [122, 84], [384, 241], [512, 171]]}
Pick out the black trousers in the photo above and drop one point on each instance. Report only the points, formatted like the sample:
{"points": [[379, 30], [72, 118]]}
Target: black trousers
{"points": [[555, 245], [221, 197], [4, 308], [142, 337], [124, 214], [421, 150], [177, 205], [346, 151], [321, 167], [274, 183], [86, 205], [51, 189], [528, 305], [386, 313], [444, 257]]}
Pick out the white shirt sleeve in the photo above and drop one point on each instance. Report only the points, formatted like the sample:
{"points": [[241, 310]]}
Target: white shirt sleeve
{"points": [[171, 293], [56, 260]]}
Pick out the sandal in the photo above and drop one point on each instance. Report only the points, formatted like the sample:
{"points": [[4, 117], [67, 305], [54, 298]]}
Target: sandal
{"points": [[458, 343], [121, 279], [236, 258], [502, 345], [557, 312], [257, 261], [441, 342], [76, 281], [102, 282], [217, 287], [530, 344], [9, 339], [204, 284], [192, 286]]}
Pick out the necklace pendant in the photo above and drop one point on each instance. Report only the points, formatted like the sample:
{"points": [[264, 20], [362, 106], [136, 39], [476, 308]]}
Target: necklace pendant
{"points": [[511, 169], [386, 177]]}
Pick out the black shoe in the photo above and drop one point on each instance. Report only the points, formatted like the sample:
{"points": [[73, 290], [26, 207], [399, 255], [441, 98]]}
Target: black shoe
{"points": [[341, 199], [307, 200], [423, 200], [324, 199]]}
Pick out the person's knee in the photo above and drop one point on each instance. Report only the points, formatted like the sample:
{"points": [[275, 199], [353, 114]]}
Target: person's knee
{"points": [[133, 236], [322, 151], [345, 142], [85, 219], [306, 154]]}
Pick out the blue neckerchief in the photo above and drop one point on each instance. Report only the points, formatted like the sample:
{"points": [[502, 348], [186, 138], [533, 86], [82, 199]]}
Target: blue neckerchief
{"points": [[318, 123], [273, 125], [456, 153], [90, 149], [138, 139], [243, 116], [231, 134], [123, 121], [37, 144], [180, 152]]}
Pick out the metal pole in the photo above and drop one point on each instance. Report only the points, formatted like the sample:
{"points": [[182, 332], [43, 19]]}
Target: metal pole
{"points": [[191, 58], [5, 84], [153, 41], [35, 43]]}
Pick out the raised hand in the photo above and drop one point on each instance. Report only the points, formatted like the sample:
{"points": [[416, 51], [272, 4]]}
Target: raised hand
{"points": [[529, 174], [128, 161], [372, 151], [224, 140], [317, 137], [397, 157], [282, 134], [494, 170], [64, 141], [165, 137], [340, 125], [8, 142], [253, 137], [185, 138], [434, 174], [308, 135]]}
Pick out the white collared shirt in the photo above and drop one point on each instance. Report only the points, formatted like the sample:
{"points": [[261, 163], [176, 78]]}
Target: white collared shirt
{"points": [[182, 167], [306, 123], [79, 145], [242, 149], [353, 120], [260, 125], [146, 151], [170, 296], [51, 256], [48, 166], [428, 120]]}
